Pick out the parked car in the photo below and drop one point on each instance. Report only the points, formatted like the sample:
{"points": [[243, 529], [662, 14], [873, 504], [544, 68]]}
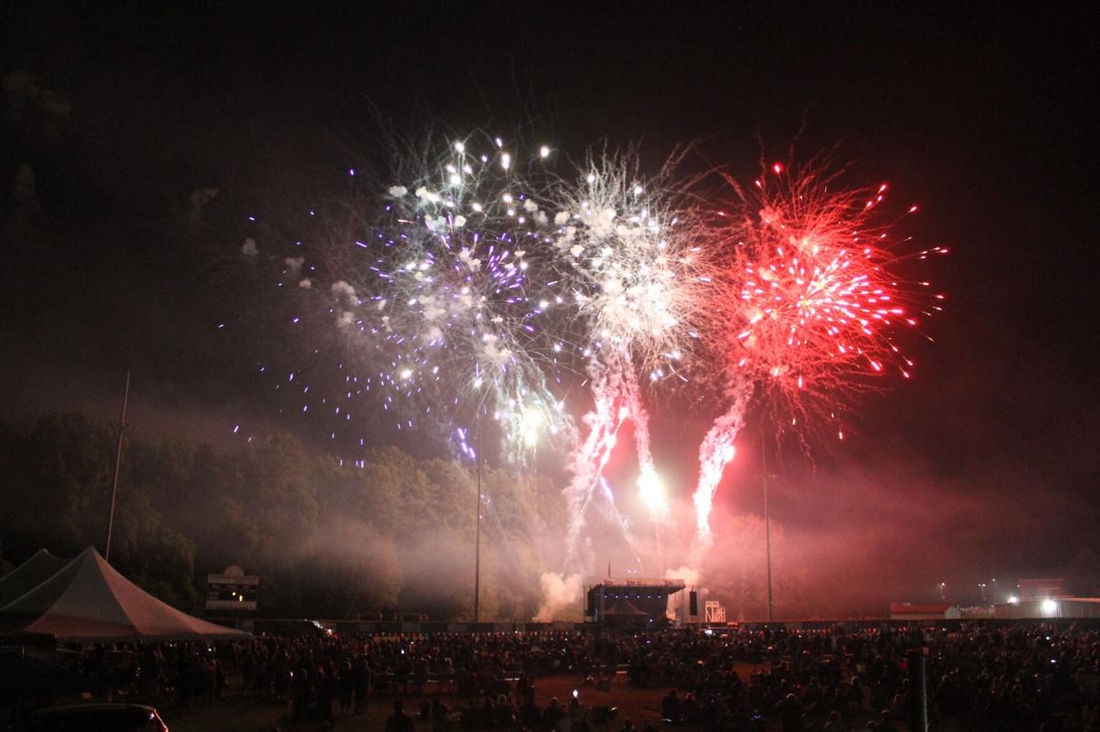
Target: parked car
{"points": [[93, 717]]}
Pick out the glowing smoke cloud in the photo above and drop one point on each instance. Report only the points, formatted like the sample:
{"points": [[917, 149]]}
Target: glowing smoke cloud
{"points": [[558, 593], [812, 303]]}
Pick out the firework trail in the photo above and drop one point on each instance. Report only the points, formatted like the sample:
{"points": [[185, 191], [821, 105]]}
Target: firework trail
{"points": [[715, 452], [612, 513], [637, 279], [616, 399], [812, 303]]}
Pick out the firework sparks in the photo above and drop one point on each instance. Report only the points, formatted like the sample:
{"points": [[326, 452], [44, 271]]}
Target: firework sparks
{"points": [[813, 303], [636, 273], [463, 304], [482, 277], [444, 301], [616, 400], [637, 280]]}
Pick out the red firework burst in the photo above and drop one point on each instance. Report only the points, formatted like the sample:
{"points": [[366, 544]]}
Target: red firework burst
{"points": [[812, 298]]}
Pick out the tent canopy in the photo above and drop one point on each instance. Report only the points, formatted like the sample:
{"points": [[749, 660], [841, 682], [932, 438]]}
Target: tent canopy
{"points": [[88, 601], [29, 575]]}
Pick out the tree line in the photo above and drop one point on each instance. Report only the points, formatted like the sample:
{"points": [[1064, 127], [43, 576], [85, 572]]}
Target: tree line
{"points": [[328, 539]]}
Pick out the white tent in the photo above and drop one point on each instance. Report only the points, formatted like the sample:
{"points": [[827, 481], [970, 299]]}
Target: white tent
{"points": [[29, 575], [88, 601]]}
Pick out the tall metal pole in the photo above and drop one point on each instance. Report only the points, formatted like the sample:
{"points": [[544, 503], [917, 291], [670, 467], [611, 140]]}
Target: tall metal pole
{"points": [[118, 462], [477, 541], [918, 691], [767, 523]]}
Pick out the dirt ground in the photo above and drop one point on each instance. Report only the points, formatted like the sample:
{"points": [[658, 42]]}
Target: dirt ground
{"points": [[248, 713], [637, 705], [254, 714]]}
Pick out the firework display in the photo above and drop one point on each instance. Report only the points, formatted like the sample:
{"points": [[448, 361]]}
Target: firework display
{"points": [[635, 269], [637, 278], [465, 297], [446, 301], [492, 283], [813, 304]]}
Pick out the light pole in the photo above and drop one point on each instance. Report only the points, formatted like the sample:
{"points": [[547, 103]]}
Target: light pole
{"points": [[477, 540], [767, 523], [118, 461]]}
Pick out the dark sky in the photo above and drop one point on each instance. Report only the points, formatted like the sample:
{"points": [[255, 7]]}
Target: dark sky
{"points": [[986, 463]]}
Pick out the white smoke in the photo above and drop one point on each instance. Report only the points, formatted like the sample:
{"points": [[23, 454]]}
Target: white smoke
{"points": [[294, 266], [689, 575], [249, 248], [467, 258], [202, 196], [345, 299], [558, 593], [345, 293]]}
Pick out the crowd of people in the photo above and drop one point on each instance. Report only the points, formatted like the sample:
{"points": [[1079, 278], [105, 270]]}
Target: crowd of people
{"points": [[978, 676]]}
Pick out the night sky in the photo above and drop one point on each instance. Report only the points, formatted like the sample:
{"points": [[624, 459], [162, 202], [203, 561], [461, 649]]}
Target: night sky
{"points": [[984, 465]]}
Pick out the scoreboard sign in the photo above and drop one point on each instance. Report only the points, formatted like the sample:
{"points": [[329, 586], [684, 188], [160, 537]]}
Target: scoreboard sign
{"points": [[232, 591]]}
